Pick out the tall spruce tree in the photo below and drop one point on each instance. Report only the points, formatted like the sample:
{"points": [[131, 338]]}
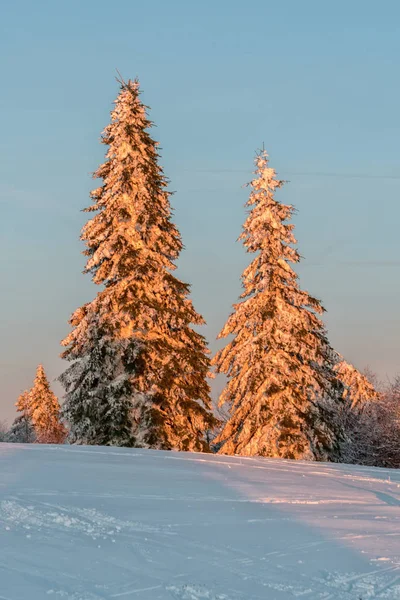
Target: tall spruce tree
{"points": [[279, 362], [44, 410], [151, 389]]}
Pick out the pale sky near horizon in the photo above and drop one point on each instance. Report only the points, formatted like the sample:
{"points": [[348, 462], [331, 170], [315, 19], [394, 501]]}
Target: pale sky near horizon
{"points": [[317, 82]]}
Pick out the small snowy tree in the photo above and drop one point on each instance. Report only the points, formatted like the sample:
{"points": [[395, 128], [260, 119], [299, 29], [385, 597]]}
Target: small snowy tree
{"points": [[386, 418], [145, 348], [44, 410], [279, 363], [22, 430], [372, 424], [3, 431], [356, 415], [358, 389]]}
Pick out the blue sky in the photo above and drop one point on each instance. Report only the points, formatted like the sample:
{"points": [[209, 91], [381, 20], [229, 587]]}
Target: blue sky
{"points": [[317, 82]]}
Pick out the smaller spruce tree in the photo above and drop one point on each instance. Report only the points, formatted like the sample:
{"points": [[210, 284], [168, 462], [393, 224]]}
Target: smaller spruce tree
{"points": [[3, 431], [22, 430], [44, 410]]}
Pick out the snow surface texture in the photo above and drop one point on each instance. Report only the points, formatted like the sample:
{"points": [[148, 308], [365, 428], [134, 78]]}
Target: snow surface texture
{"points": [[95, 523]]}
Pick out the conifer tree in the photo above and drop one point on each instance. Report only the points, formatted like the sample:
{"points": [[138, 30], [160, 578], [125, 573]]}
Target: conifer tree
{"points": [[143, 319], [3, 431], [279, 362], [44, 410], [22, 430]]}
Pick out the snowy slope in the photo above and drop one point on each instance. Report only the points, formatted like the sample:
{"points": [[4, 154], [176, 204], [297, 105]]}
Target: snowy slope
{"points": [[96, 523]]}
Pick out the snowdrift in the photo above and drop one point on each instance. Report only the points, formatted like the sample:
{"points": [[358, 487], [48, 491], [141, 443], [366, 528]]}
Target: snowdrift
{"points": [[81, 523]]}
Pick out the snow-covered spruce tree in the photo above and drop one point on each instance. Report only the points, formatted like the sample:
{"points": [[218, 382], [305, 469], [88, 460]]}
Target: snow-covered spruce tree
{"points": [[22, 430], [142, 320], [44, 410], [279, 362], [3, 431]]}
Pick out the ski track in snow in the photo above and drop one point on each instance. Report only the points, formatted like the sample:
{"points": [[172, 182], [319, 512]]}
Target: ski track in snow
{"points": [[97, 523]]}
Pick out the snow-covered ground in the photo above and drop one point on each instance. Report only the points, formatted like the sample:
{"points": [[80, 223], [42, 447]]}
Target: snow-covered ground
{"points": [[97, 523]]}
